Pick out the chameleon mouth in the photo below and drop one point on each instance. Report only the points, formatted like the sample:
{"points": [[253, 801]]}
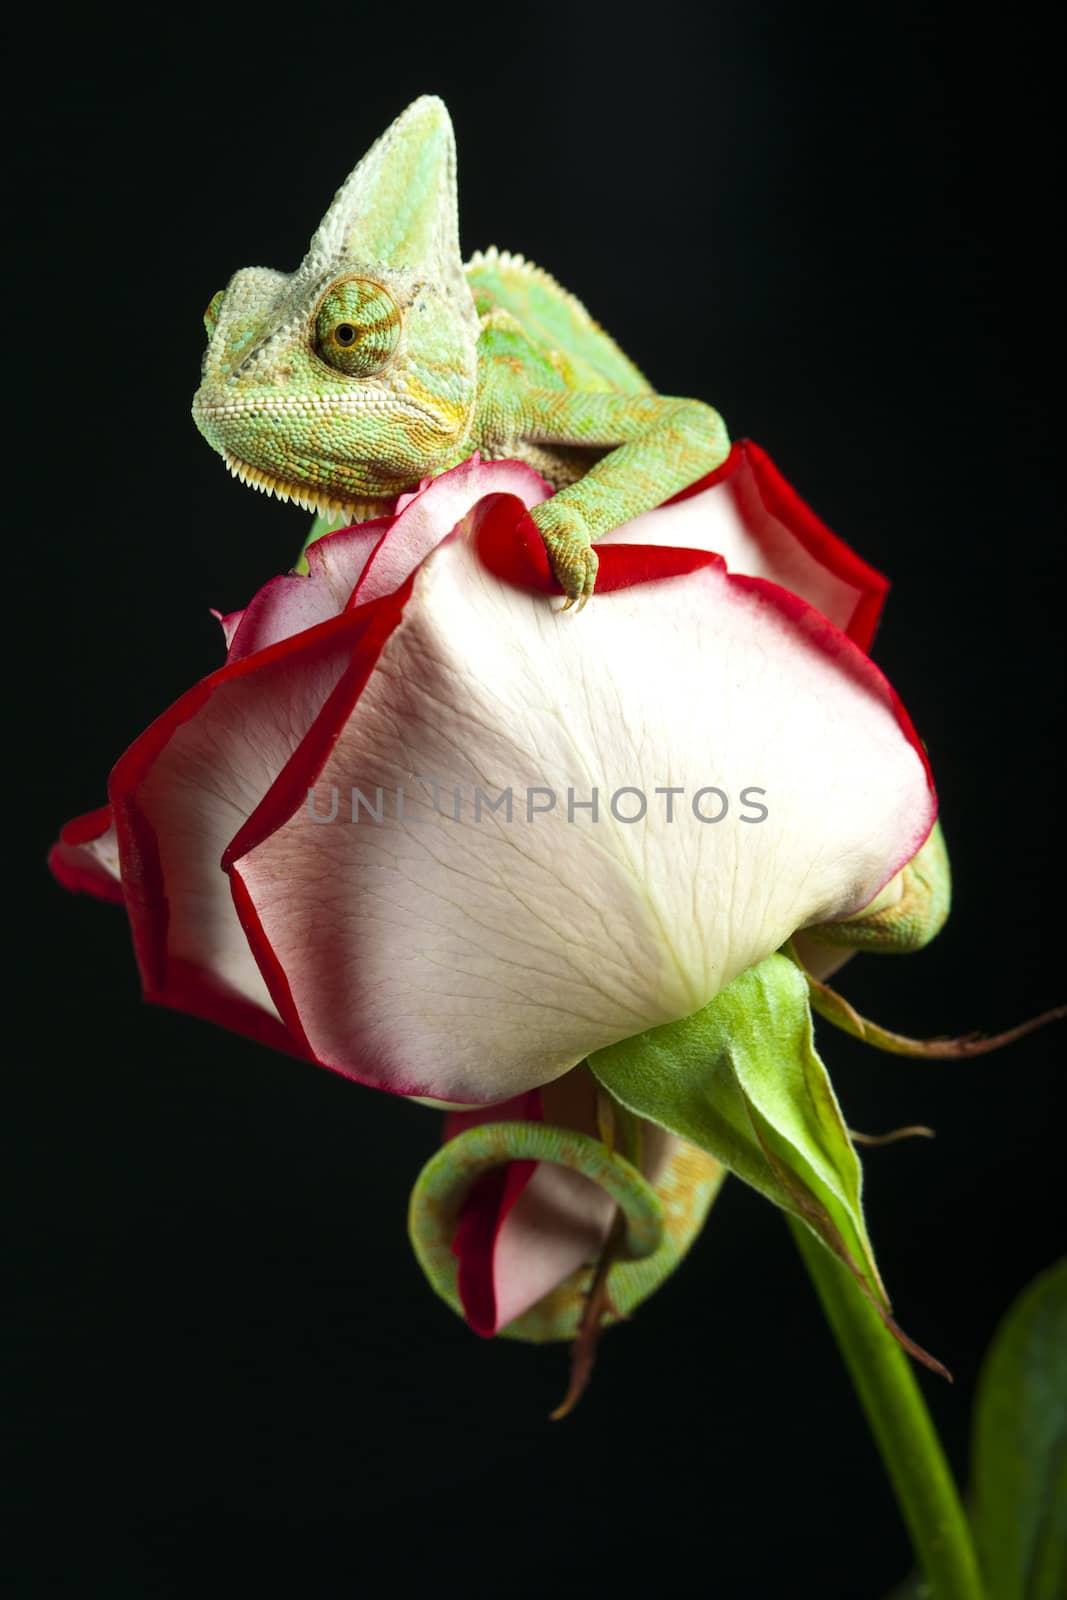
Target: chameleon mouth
{"points": [[320, 504]]}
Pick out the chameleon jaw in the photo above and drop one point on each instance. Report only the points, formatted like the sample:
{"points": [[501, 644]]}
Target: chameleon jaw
{"points": [[323, 505]]}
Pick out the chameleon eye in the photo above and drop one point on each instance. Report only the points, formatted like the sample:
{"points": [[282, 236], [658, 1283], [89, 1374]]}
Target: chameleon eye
{"points": [[211, 312], [357, 327]]}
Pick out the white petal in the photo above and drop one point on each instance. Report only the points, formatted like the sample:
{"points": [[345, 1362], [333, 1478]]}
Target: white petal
{"points": [[733, 519], [470, 959]]}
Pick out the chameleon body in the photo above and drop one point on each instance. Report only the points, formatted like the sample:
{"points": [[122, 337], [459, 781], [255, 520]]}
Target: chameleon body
{"points": [[384, 360]]}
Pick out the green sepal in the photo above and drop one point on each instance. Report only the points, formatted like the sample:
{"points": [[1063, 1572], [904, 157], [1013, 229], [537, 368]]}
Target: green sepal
{"points": [[834, 1008], [742, 1080], [1019, 1448]]}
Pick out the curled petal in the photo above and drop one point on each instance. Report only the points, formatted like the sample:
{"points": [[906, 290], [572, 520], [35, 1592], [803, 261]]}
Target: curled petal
{"points": [[86, 856]]}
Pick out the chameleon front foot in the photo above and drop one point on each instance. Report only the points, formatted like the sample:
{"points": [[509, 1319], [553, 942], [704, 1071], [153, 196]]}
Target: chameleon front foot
{"points": [[576, 577], [573, 560]]}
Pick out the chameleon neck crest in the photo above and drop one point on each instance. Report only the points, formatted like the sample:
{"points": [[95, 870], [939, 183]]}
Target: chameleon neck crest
{"points": [[345, 382]]}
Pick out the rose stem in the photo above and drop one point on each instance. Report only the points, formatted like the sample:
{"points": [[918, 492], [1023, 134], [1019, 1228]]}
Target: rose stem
{"points": [[907, 1441]]}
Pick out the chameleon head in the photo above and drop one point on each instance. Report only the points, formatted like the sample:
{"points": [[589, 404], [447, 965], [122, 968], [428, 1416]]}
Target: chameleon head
{"points": [[346, 382]]}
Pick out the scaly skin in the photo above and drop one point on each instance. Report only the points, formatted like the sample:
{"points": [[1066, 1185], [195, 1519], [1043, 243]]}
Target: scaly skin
{"points": [[384, 360], [662, 1220]]}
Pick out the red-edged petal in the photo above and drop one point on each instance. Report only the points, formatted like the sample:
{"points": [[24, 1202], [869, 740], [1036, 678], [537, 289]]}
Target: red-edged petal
{"points": [[229, 622], [427, 517], [747, 513], [369, 559], [85, 857], [181, 792], [291, 604]]}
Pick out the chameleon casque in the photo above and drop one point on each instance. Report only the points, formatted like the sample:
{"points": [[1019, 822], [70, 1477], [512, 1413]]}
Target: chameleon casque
{"points": [[384, 360]]}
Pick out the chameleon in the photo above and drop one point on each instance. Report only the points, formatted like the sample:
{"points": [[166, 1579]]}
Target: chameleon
{"points": [[385, 359]]}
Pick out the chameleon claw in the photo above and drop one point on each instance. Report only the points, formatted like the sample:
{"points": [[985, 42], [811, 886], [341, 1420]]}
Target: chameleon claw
{"points": [[575, 569], [579, 600]]}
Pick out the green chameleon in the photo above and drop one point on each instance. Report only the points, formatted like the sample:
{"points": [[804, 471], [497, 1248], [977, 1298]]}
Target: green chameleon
{"points": [[383, 360]]}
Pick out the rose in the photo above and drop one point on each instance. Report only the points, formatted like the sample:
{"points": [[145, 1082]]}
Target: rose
{"points": [[300, 844], [472, 960]]}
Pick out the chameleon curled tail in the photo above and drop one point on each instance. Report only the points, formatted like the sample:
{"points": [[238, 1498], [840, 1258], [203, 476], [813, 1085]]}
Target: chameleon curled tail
{"points": [[660, 1219]]}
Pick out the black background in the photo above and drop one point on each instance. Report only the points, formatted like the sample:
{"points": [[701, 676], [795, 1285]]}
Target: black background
{"points": [[229, 1374]]}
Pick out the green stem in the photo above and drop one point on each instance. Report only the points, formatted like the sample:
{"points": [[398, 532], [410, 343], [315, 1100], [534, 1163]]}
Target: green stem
{"points": [[900, 1422]]}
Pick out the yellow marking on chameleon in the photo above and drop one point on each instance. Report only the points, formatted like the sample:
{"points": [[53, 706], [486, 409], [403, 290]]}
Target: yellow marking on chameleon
{"points": [[447, 416]]}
